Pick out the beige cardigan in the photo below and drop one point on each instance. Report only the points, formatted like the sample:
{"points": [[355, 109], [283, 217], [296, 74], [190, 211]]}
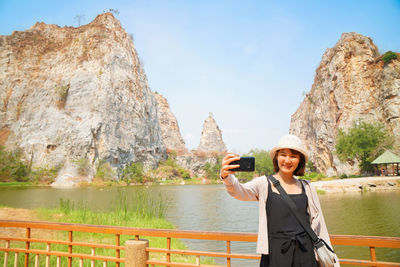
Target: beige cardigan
{"points": [[257, 190]]}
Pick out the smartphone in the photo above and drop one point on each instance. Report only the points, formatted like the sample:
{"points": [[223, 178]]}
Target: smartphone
{"points": [[247, 164]]}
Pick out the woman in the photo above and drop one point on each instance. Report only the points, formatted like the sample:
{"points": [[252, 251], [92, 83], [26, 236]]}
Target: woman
{"points": [[281, 239]]}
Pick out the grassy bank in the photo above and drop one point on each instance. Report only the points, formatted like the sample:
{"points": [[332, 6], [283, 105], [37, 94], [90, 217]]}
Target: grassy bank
{"points": [[17, 184], [140, 210]]}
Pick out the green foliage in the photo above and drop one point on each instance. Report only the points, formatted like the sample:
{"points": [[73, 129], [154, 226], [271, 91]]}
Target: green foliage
{"points": [[263, 165], [310, 167], [133, 173], [62, 91], [212, 170], [83, 165], [44, 175], [389, 56], [364, 142], [313, 176], [321, 192], [12, 167], [184, 173], [141, 204], [170, 169], [104, 171]]}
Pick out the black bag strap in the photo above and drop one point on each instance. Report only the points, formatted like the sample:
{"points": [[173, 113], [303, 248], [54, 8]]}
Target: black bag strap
{"points": [[318, 242]]}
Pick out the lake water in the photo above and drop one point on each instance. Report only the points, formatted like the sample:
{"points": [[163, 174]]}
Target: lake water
{"points": [[210, 208]]}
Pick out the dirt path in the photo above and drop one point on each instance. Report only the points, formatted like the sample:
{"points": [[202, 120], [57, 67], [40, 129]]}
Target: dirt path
{"points": [[359, 184], [21, 215]]}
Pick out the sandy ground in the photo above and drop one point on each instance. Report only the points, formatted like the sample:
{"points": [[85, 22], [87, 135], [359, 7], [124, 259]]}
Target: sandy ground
{"points": [[20, 215], [359, 184]]}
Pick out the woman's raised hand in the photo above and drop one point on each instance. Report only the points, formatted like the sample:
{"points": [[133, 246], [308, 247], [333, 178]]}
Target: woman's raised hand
{"points": [[225, 169]]}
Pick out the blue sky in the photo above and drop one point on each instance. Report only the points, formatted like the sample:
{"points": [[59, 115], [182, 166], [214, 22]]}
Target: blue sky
{"points": [[247, 62]]}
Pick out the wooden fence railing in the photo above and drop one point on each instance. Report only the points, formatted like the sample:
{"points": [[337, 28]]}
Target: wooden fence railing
{"points": [[57, 250]]}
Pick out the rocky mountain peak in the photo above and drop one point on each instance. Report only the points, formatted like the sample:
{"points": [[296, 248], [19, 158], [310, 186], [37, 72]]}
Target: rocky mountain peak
{"points": [[211, 136], [351, 83], [77, 95], [171, 134], [106, 20]]}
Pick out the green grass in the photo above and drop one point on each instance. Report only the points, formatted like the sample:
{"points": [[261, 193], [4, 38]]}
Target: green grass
{"points": [[314, 176], [139, 210], [16, 184], [321, 192]]}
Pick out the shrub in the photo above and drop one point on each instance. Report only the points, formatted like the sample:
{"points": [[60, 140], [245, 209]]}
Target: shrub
{"points": [[263, 165], [389, 56], [62, 93], [170, 169], [12, 167], [183, 173], [313, 176], [104, 171], [310, 167], [212, 170], [263, 162], [133, 173], [83, 165], [45, 175]]}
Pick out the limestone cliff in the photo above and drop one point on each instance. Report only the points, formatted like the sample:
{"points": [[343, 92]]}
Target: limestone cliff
{"points": [[169, 126], [77, 93], [210, 148], [351, 83], [211, 137]]}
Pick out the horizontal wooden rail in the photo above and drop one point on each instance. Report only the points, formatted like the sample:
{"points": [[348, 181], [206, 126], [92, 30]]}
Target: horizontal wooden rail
{"points": [[366, 241], [62, 254], [179, 264], [204, 253], [210, 235], [348, 240], [60, 242], [368, 263]]}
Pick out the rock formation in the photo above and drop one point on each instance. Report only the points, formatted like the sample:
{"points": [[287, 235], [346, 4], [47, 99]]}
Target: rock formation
{"points": [[351, 83], [211, 137], [169, 126], [210, 148], [77, 93]]}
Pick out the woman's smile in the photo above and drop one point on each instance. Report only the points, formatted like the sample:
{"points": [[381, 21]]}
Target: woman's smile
{"points": [[287, 160]]}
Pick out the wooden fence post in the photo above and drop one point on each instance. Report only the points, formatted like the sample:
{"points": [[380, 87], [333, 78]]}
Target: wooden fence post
{"points": [[135, 253]]}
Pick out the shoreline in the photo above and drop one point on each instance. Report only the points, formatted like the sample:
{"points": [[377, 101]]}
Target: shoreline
{"points": [[363, 184]]}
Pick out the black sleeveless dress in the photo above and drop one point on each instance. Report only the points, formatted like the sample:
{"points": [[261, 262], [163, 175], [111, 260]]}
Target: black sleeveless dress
{"points": [[289, 244]]}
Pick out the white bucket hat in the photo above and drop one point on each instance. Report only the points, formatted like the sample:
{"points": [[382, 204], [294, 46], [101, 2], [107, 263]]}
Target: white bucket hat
{"points": [[292, 142]]}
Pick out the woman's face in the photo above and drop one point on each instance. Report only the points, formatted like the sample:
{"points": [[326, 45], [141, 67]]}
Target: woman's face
{"points": [[287, 161]]}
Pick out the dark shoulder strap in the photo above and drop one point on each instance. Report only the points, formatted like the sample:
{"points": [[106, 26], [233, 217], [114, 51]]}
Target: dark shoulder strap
{"points": [[293, 208]]}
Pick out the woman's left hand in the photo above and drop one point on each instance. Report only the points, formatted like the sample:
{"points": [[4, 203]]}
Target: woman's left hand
{"points": [[225, 169]]}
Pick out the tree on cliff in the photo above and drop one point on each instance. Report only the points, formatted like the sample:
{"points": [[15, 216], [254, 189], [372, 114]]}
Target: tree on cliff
{"points": [[364, 141]]}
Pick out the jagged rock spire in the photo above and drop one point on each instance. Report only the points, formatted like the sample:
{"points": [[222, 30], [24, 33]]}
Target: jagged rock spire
{"points": [[211, 136], [169, 125]]}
